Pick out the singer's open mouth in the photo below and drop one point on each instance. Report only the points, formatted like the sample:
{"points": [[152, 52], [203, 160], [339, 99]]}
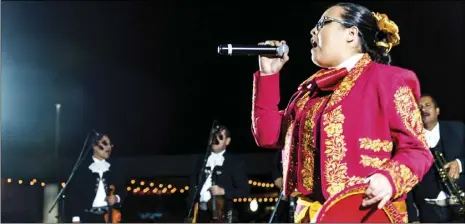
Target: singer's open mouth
{"points": [[314, 44]]}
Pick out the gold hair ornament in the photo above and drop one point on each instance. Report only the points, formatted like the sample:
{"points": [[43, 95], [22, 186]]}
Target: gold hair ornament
{"points": [[390, 28]]}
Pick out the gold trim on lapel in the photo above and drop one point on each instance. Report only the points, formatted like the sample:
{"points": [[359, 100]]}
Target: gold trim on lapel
{"points": [[347, 83]]}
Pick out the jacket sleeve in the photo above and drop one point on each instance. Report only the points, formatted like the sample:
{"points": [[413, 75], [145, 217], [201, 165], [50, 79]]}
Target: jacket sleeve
{"points": [[266, 118], [120, 188], [411, 157], [240, 186]]}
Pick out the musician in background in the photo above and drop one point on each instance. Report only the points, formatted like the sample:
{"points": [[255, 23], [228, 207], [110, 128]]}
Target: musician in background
{"points": [[231, 181], [447, 137], [88, 196]]}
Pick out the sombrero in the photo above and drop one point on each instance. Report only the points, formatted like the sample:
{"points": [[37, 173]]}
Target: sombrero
{"points": [[346, 207]]}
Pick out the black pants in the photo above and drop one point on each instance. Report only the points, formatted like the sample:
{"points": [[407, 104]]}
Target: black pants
{"points": [[92, 218], [432, 213]]}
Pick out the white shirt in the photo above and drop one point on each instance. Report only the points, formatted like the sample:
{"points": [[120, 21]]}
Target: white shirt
{"points": [[432, 139], [350, 63], [215, 159], [99, 166]]}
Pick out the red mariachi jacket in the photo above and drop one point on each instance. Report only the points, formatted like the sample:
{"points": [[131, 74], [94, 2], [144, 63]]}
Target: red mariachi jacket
{"points": [[369, 124]]}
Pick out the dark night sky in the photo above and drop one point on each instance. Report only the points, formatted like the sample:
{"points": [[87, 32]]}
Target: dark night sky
{"points": [[148, 74]]}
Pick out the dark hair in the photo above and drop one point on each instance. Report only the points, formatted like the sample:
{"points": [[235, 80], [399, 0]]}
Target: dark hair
{"points": [[227, 133], [369, 33], [219, 128], [435, 102]]}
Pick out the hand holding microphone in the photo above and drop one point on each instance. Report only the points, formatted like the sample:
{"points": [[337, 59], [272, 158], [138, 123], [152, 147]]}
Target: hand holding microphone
{"points": [[272, 65]]}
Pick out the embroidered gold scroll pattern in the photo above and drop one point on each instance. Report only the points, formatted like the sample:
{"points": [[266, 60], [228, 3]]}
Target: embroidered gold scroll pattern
{"points": [[308, 143], [410, 115], [372, 161], [375, 144]]}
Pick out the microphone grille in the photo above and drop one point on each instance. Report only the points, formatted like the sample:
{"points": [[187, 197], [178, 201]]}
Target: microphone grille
{"points": [[282, 49]]}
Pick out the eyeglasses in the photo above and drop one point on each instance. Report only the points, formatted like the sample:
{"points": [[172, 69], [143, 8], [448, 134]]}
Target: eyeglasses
{"points": [[325, 20]]}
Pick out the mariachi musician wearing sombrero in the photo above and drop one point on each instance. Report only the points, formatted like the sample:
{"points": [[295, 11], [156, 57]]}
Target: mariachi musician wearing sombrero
{"points": [[352, 128]]}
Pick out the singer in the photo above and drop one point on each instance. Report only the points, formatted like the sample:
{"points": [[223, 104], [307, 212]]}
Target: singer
{"points": [[354, 121]]}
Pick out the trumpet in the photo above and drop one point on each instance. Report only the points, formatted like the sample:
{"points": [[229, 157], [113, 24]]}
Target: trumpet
{"points": [[457, 197]]}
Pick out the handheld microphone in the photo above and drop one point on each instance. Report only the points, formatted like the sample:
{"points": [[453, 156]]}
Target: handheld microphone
{"points": [[252, 50]]}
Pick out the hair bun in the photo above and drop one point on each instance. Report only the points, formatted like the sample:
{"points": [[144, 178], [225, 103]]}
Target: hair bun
{"points": [[389, 28]]}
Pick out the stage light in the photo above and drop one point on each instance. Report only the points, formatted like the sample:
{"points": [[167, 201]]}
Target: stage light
{"points": [[253, 206]]}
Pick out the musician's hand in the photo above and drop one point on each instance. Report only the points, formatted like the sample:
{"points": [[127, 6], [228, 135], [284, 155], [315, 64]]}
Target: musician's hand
{"points": [[111, 200], [269, 66], [379, 190], [279, 182], [215, 190], [454, 170]]}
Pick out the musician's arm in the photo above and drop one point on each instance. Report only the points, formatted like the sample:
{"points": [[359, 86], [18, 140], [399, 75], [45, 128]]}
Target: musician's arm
{"points": [[461, 148], [240, 183], [120, 188]]}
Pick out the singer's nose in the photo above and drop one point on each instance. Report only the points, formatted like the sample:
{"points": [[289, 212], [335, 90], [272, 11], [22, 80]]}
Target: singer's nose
{"points": [[313, 31]]}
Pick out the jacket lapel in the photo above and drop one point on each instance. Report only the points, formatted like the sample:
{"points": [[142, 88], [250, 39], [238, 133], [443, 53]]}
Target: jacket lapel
{"points": [[444, 134], [343, 90]]}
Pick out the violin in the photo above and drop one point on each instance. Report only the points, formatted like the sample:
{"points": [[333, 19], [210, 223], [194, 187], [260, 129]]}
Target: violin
{"points": [[216, 203], [113, 215]]}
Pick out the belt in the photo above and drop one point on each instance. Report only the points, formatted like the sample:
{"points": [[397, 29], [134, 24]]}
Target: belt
{"points": [[98, 211]]}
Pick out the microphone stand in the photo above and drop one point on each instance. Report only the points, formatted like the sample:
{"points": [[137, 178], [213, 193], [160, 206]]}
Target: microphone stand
{"points": [[61, 194], [202, 170], [276, 207]]}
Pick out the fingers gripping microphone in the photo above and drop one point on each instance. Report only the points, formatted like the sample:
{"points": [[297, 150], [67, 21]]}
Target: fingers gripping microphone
{"points": [[252, 50]]}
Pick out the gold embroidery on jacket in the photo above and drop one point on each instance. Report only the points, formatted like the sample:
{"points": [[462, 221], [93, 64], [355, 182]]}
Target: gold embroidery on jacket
{"points": [[372, 161], [254, 95], [302, 101], [349, 81], [288, 156], [403, 178], [308, 144], [376, 144], [335, 170], [410, 115]]}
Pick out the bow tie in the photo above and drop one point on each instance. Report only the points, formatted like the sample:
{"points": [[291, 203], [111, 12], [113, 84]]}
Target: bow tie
{"points": [[327, 82], [99, 166]]}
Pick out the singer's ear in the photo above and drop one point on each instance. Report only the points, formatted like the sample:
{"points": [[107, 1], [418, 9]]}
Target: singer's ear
{"points": [[352, 34]]}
